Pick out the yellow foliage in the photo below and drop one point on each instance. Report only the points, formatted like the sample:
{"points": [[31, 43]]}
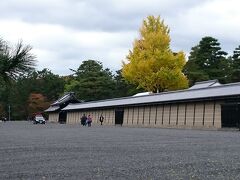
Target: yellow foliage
{"points": [[151, 64]]}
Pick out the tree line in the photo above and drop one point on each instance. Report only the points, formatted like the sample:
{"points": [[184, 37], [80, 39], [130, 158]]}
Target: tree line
{"points": [[36, 90], [150, 66]]}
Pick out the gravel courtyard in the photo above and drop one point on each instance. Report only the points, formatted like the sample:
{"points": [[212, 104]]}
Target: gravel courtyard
{"points": [[55, 151]]}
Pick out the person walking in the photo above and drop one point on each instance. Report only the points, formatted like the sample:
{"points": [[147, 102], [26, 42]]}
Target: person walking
{"points": [[89, 120], [101, 118], [84, 120]]}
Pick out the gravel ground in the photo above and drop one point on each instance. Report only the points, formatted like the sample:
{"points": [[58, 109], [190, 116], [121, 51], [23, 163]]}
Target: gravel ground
{"points": [[55, 151]]}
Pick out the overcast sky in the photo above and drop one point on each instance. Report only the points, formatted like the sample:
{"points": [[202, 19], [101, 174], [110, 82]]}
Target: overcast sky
{"points": [[63, 33]]}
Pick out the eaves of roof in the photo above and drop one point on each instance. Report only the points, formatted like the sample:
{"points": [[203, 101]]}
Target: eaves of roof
{"points": [[172, 96]]}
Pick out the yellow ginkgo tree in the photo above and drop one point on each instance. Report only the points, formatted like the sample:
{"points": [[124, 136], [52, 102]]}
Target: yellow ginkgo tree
{"points": [[151, 64]]}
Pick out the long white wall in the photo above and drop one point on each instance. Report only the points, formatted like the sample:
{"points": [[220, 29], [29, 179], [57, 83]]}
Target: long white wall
{"points": [[194, 114], [108, 114], [53, 117]]}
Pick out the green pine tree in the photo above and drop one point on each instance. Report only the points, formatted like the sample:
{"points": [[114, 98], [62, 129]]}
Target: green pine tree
{"points": [[207, 61], [236, 65], [92, 82]]}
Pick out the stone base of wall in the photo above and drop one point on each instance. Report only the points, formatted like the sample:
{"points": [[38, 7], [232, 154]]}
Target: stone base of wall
{"points": [[174, 127]]}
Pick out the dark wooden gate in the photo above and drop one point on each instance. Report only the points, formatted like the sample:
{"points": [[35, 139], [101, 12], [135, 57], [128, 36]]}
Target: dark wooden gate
{"points": [[62, 117], [230, 115], [119, 116]]}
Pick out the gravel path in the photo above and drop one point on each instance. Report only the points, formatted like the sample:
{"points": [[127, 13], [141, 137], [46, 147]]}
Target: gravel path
{"points": [[55, 151]]}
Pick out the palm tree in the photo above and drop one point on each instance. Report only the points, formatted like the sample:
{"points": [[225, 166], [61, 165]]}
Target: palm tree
{"points": [[15, 62]]}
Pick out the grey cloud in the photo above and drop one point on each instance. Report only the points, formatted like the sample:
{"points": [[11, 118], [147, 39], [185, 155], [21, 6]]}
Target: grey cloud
{"points": [[116, 23], [102, 15]]}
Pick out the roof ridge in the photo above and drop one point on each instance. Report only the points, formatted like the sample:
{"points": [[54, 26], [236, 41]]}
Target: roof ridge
{"points": [[208, 81], [158, 94]]}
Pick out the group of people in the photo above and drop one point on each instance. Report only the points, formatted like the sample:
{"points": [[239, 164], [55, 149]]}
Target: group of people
{"points": [[87, 121]]}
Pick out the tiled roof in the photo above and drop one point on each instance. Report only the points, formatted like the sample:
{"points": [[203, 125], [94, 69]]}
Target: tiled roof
{"points": [[52, 109], [181, 95], [205, 84], [62, 102], [65, 98]]}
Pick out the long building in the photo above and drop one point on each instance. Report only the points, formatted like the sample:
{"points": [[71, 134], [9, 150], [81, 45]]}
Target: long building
{"points": [[207, 104]]}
